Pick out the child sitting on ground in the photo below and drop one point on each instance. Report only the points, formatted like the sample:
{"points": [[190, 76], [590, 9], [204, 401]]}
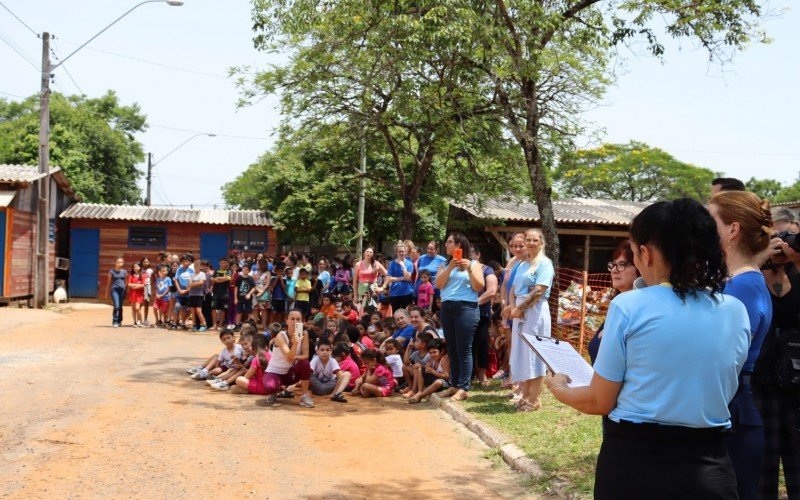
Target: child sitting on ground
{"points": [[227, 379], [327, 377], [217, 364], [395, 361], [349, 362], [377, 381], [253, 381], [433, 377], [416, 355]]}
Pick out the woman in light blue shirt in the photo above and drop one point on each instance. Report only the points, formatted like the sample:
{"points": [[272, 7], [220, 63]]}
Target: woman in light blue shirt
{"points": [[668, 365], [459, 281]]}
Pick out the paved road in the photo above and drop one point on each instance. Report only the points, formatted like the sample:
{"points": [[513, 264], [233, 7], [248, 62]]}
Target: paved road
{"points": [[91, 411]]}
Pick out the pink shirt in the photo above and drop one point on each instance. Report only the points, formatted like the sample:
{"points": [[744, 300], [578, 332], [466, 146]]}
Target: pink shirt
{"points": [[425, 295], [385, 378], [349, 365], [366, 273]]}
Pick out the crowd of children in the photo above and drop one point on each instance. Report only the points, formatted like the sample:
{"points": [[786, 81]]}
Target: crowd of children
{"points": [[287, 325]]}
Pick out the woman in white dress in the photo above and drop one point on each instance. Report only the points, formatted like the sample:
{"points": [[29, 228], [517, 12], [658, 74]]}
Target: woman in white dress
{"points": [[530, 313]]}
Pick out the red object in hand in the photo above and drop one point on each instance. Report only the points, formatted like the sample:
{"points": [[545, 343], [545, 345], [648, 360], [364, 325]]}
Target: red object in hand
{"points": [[458, 253]]}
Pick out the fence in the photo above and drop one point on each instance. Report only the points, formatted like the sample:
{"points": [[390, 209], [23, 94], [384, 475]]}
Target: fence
{"points": [[582, 305]]}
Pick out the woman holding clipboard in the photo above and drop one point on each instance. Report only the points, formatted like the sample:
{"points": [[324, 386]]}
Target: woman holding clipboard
{"points": [[668, 364], [530, 312]]}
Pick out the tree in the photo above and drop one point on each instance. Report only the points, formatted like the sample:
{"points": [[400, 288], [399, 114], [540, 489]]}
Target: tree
{"points": [[764, 188], [788, 193], [91, 139], [632, 171], [386, 70]]}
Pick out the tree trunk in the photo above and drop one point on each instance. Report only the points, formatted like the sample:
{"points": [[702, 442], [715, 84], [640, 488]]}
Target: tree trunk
{"points": [[408, 220], [544, 202]]}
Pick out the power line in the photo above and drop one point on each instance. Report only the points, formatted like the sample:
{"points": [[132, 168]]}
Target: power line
{"points": [[12, 95], [18, 19], [55, 56], [154, 63], [11, 44]]}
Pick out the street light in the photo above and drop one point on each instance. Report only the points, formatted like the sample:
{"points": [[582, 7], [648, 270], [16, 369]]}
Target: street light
{"points": [[42, 222], [150, 163]]}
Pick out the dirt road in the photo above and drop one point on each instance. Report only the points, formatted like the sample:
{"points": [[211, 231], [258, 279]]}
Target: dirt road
{"points": [[91, 411]]}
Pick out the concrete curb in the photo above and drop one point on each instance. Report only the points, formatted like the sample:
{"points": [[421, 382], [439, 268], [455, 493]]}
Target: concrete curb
{"points": [[511, 453]]}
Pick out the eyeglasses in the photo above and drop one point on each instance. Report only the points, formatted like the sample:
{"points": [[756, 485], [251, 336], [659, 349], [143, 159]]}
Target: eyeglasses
{"points": [[621, 265]]}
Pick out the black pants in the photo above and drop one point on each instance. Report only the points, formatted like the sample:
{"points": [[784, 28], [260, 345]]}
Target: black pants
{"points": [[745, 443], [780, 412], [480, 344], [401, 302], [652, 461]]}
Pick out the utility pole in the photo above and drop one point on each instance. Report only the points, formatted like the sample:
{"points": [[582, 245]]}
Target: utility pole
{"points": [[41, 286], [361, 194], [149, 177]]}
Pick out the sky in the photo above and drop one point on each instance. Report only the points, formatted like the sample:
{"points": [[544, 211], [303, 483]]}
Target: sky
{"points": [[740, 120]]}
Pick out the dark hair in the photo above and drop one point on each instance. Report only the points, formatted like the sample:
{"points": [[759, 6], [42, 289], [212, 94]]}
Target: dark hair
{"points": [[420, 310], [260, 344], [425, 272], [188, 256], [353, 334], [348, 303], [345, 348], [324, 341], [392, 342], [248, 329], [686, 235], [435, 344], [728, 184], [376, 355], [225, 331], [426, 338], [461, 240]]}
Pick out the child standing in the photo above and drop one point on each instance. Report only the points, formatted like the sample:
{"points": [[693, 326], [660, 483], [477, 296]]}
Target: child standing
{"points": [[245, 286], [425, 290], [136, 293], [377, 381], [183, 277], [303, 290], [116, 287], [161, 305], [327, 377], [196, 295], [147, 274], [219, 294]]}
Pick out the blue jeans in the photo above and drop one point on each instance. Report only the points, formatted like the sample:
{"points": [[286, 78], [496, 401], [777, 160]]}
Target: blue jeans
{"points": [[118, 297], [459, 322]]}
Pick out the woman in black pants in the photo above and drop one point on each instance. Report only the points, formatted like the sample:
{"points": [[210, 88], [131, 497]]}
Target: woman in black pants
{"points": [[480, 345], [459, 281]]}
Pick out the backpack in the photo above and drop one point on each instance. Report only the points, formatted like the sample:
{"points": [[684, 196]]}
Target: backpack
{"points": [[778, 363]]}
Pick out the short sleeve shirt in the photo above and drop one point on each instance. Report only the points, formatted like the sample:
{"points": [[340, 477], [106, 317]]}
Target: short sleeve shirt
{"points": [[396, 364], [118, 278], [326, 372], [525, 278], [400, 288], [197, 290]]}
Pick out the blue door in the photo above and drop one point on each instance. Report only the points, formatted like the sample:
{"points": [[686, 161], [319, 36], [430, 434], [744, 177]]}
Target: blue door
{"points": [[84, 254], [213, 247], [2, 248]]}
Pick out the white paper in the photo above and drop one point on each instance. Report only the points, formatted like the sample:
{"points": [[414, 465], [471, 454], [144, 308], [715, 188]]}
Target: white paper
{"points": [[561, 357]]}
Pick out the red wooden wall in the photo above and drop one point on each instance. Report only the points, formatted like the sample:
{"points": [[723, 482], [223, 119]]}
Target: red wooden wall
{"points": [[181, 238], [20, 255]]}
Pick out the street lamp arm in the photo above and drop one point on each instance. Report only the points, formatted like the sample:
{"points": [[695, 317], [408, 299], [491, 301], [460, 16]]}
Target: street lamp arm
{"points": [[180, 146], [87, 42]]}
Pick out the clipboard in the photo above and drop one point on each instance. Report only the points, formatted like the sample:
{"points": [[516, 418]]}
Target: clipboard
{"points": [[560, 357]]}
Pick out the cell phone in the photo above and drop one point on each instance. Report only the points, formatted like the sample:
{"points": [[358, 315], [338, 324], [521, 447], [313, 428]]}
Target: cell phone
{"points": [[298, 330], [458, 253]]}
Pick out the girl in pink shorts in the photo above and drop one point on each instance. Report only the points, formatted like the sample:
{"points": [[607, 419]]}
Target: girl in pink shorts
{"points": [[377, 381], [253, 380]]}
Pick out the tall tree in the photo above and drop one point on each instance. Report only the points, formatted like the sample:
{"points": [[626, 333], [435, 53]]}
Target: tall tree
{"points": [[384, 69], [632, 171], [91, 139], [764, 188]]}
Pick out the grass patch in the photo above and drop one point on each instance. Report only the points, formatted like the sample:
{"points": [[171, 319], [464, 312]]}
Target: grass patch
{"points": [[562, 441]]}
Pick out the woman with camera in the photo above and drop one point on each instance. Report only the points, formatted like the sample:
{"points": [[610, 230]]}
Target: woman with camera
{"points": [[744, 224], [668, 364], [776, 378]]}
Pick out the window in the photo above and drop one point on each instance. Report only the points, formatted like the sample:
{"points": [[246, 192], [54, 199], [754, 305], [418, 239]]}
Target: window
{"points": [[147, 237], [243, 239]]}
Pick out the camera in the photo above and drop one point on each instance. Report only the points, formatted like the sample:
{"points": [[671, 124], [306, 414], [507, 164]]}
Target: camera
{"points": [[790, 239]]}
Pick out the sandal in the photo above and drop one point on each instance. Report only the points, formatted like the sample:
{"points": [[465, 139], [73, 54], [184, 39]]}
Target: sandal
{"points": [[413, 401], [286, 394]]}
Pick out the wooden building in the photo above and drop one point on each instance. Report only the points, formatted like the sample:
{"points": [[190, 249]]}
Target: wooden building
{"points": [[18, 236], [588, 229], [101, 233]]}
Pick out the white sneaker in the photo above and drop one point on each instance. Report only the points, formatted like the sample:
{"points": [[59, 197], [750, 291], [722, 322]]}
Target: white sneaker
{"points": [[222, 386], [145, 323], [193, 370], [200, 375], [306, 401]]}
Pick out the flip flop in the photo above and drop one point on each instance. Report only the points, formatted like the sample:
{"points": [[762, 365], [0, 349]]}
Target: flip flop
{"points": [[286, 394]]}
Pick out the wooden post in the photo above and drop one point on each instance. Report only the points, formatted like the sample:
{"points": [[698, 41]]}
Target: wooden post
{"points": [[583, 310]]}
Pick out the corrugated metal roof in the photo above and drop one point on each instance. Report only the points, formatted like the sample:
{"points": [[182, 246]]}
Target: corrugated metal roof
{"points": [[570, 210], [165, 214], [22, 173], [6, 197]]}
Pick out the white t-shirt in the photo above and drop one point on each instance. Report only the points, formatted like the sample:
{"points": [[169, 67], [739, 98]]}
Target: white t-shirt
{"points": [[197, 278], [396, 364], [326, 372], [226, 358]]}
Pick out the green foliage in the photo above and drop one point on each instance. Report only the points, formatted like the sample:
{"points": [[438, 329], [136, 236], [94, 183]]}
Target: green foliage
{"points": [[91, 139], [764, 188], [788, 193], [633, 171]]}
